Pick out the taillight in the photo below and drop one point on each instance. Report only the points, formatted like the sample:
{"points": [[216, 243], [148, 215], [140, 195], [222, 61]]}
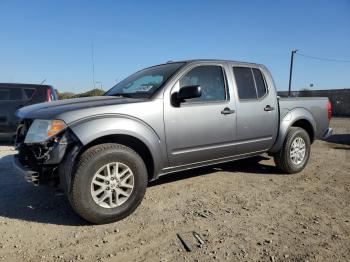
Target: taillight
{"points": [[329, 107], [48, 95]]}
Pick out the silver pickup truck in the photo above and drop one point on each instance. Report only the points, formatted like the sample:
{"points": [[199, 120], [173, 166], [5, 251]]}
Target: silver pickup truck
{"points": [[104, 150]]}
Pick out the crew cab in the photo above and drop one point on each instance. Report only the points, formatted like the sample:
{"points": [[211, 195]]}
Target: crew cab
{"points": [[104, 150]]}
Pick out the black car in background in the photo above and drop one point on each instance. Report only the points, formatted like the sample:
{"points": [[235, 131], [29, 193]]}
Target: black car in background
{"points": [[14, 96]]}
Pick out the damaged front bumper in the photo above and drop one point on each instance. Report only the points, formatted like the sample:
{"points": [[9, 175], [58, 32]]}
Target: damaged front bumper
{"points": [[19, 169], [40, 163]]}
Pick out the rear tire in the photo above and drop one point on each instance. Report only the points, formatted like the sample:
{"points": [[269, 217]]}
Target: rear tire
{"points": [[124, 191], [295, 152]]}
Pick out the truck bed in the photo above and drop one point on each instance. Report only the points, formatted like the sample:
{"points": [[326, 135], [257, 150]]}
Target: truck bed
{"points": [[316, 106]]}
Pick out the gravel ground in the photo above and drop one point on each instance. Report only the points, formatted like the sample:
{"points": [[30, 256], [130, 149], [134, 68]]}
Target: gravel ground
{"points": [[245, 211]]}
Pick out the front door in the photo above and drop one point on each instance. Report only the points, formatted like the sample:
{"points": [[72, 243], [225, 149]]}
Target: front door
{"points": [[202, 128]]}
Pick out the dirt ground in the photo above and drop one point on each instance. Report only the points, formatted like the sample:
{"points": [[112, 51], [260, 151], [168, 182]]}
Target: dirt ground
{"points": [[245, 211]]}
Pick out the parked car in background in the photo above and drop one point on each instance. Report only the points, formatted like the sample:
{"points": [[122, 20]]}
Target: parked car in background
{"points": [[103, 150], [14, 96]]}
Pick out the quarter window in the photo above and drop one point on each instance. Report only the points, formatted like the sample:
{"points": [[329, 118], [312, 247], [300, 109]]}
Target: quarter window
{"points": [[250, 82], [260, 83], [211, 80]]}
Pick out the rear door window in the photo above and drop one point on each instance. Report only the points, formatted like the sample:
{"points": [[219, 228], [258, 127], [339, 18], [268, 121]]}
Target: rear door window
{"points": [[39, 96], [245, 82], [29, 92], [11, 94], [250, 83]]}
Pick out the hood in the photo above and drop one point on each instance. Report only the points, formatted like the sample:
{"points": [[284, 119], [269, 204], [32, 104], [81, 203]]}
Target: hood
{"points": [[51, 110]]}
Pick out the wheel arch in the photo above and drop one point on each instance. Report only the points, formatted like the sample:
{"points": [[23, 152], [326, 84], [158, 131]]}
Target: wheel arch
{"points": [[130, 141], [298, 117], [127, 131]]}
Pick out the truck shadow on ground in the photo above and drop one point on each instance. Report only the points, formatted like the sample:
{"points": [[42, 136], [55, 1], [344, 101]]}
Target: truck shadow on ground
{"points": [[343, 139], [23, 201], [340, 139]]}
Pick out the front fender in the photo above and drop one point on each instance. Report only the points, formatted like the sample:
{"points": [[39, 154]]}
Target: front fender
{"points": [[87, 130], [288, 120]]}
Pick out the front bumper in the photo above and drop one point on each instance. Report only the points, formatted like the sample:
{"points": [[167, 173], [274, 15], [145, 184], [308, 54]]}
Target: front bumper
{"points": [[328, 133], [29, 175]]}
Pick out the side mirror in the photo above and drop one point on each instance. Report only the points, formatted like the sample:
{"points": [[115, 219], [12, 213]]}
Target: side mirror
{"points": [[186, 92]]}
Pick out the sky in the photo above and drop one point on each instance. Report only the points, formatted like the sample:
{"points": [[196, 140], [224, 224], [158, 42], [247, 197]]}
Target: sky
{"points": [[53, 40]]}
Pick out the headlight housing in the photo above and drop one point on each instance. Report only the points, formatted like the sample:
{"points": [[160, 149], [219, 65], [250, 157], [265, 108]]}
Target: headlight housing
{"points": [[41, 130]]}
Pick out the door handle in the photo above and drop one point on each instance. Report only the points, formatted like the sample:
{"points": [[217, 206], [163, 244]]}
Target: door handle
{"points": [[269, 108], [227, 111]]}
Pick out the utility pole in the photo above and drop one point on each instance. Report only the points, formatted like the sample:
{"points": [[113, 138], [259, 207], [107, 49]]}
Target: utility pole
{"points": [[291, 70]]}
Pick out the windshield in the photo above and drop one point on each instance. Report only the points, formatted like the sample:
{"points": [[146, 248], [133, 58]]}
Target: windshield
{"points": [[145, 82]]}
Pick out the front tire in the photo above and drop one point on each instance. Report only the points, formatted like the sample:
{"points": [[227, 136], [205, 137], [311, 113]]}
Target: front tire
{"points": [[109, 183], [295, 152]]}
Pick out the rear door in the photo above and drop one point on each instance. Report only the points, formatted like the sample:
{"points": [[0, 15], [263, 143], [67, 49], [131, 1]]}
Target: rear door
{"points": [[200, 129], [257, 109], [11, 99]]}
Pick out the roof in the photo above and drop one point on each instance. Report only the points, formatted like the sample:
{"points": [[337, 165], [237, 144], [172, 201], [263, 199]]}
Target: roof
{"points": [[212, 60], [9, 85]]}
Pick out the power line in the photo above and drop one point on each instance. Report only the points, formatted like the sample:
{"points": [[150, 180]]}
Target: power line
{"points": [[324, 59]]}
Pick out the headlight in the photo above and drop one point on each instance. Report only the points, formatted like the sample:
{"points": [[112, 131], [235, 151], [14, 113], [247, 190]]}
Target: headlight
{"points": [[41, 130]]}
